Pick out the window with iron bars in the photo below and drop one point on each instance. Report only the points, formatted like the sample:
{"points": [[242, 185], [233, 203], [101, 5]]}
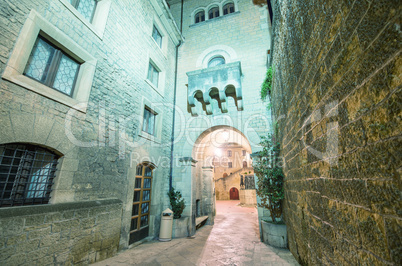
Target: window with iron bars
{"points": [[26, 174]]}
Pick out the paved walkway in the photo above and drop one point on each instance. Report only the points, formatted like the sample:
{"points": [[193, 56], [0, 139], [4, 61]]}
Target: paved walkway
{"points": [[233, 240]]}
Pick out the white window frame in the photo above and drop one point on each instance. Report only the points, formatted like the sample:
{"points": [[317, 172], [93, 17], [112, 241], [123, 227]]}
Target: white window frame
{"points": [[34, 26], [161, 79], [99, 19], [159, 33], [156, 109]]}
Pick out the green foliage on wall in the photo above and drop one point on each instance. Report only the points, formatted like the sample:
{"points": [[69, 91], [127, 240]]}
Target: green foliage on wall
{"points": [[270, 176], [266, 86], [177, 202]]}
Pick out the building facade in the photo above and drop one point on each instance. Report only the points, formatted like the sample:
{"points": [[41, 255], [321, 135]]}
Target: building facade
{"points": [[85, 108], [90, 95]]}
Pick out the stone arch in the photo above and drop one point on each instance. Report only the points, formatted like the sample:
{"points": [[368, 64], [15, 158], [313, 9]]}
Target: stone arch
{"points": [[196, 12], [227, 52]]}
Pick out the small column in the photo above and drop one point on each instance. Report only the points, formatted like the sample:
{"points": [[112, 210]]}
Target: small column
{"points": [[187, 188], [208, 193]]}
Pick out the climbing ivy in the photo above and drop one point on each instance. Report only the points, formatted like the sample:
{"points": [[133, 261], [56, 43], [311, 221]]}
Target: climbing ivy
{"points": [[266, 86]]}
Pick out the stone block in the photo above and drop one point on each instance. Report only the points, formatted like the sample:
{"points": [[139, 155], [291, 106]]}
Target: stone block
{"points": [[274, 234], [180, 227], [14, 240]]}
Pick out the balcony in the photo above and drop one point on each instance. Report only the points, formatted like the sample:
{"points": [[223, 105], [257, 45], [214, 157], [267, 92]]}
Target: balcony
{"points": [[219, 83]]}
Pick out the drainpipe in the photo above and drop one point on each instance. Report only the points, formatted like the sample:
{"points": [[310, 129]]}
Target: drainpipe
{"points": [[174, 102]]}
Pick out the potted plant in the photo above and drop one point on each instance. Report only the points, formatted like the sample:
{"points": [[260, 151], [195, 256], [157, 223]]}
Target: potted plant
{"points": [[177, 202], [270, 176], [180, 224]]}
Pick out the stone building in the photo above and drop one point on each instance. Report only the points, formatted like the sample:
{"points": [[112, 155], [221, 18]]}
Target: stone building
{"points": [[90, 91], [106, 104], [85, 99]]}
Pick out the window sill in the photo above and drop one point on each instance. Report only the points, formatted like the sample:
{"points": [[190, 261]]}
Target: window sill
{"points": [[149, 137], [99, 21], [153, 87], [41, 89], [214, 19]]}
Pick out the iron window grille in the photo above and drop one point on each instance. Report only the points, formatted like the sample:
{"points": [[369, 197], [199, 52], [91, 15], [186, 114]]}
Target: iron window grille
{"points": [[213, 12], [228, 8], [26, 174], [52, 67], [85, 8], [153, 75], [148, 124], [157, 36], [230, 165], [229, 153], [200, 16], [244, 152]]}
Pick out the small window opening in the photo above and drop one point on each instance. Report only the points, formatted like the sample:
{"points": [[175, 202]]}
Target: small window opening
{"points": [[199, 17], [216, 61]]}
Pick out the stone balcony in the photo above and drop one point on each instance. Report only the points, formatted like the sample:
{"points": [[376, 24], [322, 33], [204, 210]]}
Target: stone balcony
{"points": [[219, 83]]}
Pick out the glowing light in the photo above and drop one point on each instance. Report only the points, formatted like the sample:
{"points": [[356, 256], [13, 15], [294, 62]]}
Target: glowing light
{"points": [[218, 152]]}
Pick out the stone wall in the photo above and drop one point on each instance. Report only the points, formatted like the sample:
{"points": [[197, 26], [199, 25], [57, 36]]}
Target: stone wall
{"points": [[64, 233], [337, 98]]}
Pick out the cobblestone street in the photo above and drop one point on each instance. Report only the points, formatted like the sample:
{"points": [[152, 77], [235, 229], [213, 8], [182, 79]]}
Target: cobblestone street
{"points": [[233, 240]]}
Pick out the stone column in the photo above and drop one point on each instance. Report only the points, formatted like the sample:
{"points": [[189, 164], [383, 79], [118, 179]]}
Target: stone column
{"points": [[208, 193], [187, 188]]}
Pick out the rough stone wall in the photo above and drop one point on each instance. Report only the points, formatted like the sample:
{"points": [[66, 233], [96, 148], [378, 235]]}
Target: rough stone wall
{"points": [[60, 234], [337, 88], [117, 97]]}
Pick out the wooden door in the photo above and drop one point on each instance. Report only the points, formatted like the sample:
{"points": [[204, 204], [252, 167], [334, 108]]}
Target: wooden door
{"points": [[234, 193], [141, 204]]}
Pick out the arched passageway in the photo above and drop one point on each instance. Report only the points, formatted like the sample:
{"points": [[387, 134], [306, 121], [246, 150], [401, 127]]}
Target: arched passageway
{"points": [[222, 154]]}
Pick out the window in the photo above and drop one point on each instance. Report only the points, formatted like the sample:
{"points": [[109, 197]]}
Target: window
{"points": [[85, 8], [149, 121], [216, 61], [26, 174], [141, 203], [199, 17], [52, 67], [229, 153], [213, 12], [153, 74], [228, 8], [244, 152], [157, 37], [230, 165], [33, 54]]}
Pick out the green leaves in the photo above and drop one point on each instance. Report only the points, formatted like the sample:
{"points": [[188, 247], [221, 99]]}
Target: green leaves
{"points": [[177, 202], [268, 169], [266, 86]]}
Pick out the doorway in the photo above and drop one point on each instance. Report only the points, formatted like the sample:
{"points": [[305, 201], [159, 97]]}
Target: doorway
{"points": [[141, 203], [234, 194]]}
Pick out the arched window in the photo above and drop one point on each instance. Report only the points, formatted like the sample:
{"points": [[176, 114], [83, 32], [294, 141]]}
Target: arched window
{"points": [[26, 174], [199, 17], [213, 13], [216, 61], [228, 8], [141, 203]]}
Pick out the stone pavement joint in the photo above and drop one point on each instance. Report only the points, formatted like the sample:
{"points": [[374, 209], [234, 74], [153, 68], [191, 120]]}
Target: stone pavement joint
{"points": [[233, 240]]}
